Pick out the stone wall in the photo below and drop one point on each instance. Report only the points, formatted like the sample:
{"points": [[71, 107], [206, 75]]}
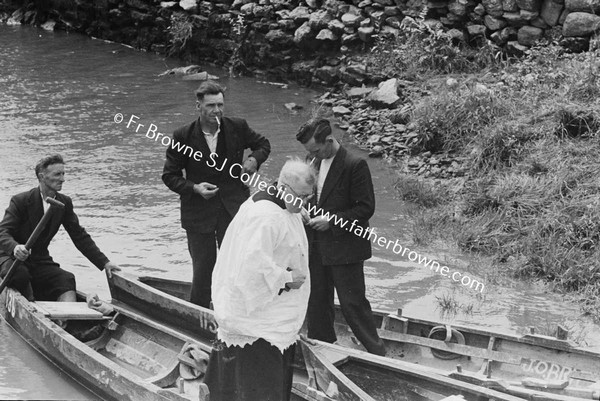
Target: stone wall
{"points": [[299, 39]]}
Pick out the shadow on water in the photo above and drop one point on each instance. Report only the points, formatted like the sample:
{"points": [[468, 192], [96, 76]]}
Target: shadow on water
{"points": [[61, 93]]}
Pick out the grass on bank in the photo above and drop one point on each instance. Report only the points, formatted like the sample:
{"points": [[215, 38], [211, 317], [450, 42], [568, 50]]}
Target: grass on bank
{"points": [[528, 132]]}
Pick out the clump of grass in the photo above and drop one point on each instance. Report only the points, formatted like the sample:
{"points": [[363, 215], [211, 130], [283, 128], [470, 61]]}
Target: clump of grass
{"points": [[450, 120], [420, 192], [180, 30], [450, 306]]}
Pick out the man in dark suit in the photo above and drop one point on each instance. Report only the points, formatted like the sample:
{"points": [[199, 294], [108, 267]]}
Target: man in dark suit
{"points": [[211, 191], [39, 277], [337, 251]]}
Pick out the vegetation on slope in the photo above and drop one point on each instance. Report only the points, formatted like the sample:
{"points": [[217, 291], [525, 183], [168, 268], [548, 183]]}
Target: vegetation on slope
{"points": [[528, 133]]}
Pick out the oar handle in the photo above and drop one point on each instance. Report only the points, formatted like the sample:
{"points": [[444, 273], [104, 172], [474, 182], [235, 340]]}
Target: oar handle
{"points": [[42, 224], [32, 238]]}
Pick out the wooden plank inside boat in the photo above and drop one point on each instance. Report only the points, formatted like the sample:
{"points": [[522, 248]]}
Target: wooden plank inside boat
{"points": [[68, 310]]}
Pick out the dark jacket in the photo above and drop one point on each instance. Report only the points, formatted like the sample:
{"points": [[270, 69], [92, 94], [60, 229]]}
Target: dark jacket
{"points": [[26, 210], [348, 193], [197, 213]]}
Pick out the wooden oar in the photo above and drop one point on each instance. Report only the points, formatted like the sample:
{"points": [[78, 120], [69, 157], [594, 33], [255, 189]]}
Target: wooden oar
{"points": [[32, 239]]}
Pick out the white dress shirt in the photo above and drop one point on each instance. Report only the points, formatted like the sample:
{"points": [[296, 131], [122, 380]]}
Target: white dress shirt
{"points": [[323, 171]]}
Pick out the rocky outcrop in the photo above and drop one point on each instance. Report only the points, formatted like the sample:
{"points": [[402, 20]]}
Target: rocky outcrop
{"points": [[300, 38]]}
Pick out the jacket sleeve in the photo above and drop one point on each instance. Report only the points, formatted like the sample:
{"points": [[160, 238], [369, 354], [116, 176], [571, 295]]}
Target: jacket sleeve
{"points": [[81, 238], [362, 198], [175, 162], [10, 223], [260, 146]]}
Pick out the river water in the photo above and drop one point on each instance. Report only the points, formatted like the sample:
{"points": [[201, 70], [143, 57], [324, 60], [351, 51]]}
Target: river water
{"points": [[59, 93]]}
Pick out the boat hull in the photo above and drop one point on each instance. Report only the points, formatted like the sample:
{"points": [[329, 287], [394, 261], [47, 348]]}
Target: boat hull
{"points": [[527, 366], [97, 372], [126, 289]]}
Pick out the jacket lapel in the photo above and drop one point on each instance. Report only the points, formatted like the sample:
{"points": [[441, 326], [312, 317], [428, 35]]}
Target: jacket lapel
{"points": [[334, 174], [230, 139], [36, 210], [198, 141]]}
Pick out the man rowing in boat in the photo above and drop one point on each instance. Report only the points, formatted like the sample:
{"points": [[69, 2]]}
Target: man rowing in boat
{"points": [[39, 277], [260, 292]]}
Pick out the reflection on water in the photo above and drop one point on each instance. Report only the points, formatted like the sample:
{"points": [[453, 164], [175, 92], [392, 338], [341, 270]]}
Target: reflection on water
{"points": [[60, 93], [25, 374]]}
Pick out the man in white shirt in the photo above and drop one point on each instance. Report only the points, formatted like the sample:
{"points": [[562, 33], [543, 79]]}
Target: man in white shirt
{"points": [[338, 248], [260, 288]]}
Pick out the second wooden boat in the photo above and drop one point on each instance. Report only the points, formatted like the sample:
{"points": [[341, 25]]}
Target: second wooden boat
{"points": [[529, 366], [326, 363]]}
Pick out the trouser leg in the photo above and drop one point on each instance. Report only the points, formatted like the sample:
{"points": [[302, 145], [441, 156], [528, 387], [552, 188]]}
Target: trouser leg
{"points": [[21, 279], [320, 315], [349, 282], [203, 250]]}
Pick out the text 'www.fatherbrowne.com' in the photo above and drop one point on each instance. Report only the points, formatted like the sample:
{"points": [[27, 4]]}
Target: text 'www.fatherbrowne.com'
{"points": [[151, 132]]}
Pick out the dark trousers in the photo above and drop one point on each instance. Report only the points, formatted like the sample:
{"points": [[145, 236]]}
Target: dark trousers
{"points": [[257, 372], [349, 282], [203, 250], [45, 277]]}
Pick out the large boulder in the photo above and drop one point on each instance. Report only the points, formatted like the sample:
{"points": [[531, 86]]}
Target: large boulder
{"points": [[303, 37], [551, 12], [299, 15], [581, 24], [510, 6], [319, 20], [514, 19], [528, 35], [493, 23], [188, 5], [587, 6], [279, 39], [476, 30], [386, 95], [493, 7], [336, 26], [529, 15], [365, 33], [326, 34], [458, 8], [529, 5], [351, 20]]}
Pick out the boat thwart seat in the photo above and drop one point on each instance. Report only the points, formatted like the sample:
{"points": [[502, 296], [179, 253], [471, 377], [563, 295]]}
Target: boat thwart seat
{"points": [[68, 310]]}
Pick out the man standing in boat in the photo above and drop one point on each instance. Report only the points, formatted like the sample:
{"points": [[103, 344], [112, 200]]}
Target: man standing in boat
{"points": [[39, 277], [261, 288], [210, 195], [344, 196]]}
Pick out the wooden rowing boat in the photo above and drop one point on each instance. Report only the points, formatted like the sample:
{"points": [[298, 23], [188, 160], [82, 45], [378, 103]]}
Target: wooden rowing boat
{"points": [[133, 358], [530, 366], [325, 362]]}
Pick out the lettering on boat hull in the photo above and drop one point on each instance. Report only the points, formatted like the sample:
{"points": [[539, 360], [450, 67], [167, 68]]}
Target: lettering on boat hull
{"points": [[547, 370]]}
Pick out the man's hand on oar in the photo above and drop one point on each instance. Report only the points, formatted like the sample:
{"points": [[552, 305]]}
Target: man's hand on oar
{"points": [[21, 252], [24, 250]]}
